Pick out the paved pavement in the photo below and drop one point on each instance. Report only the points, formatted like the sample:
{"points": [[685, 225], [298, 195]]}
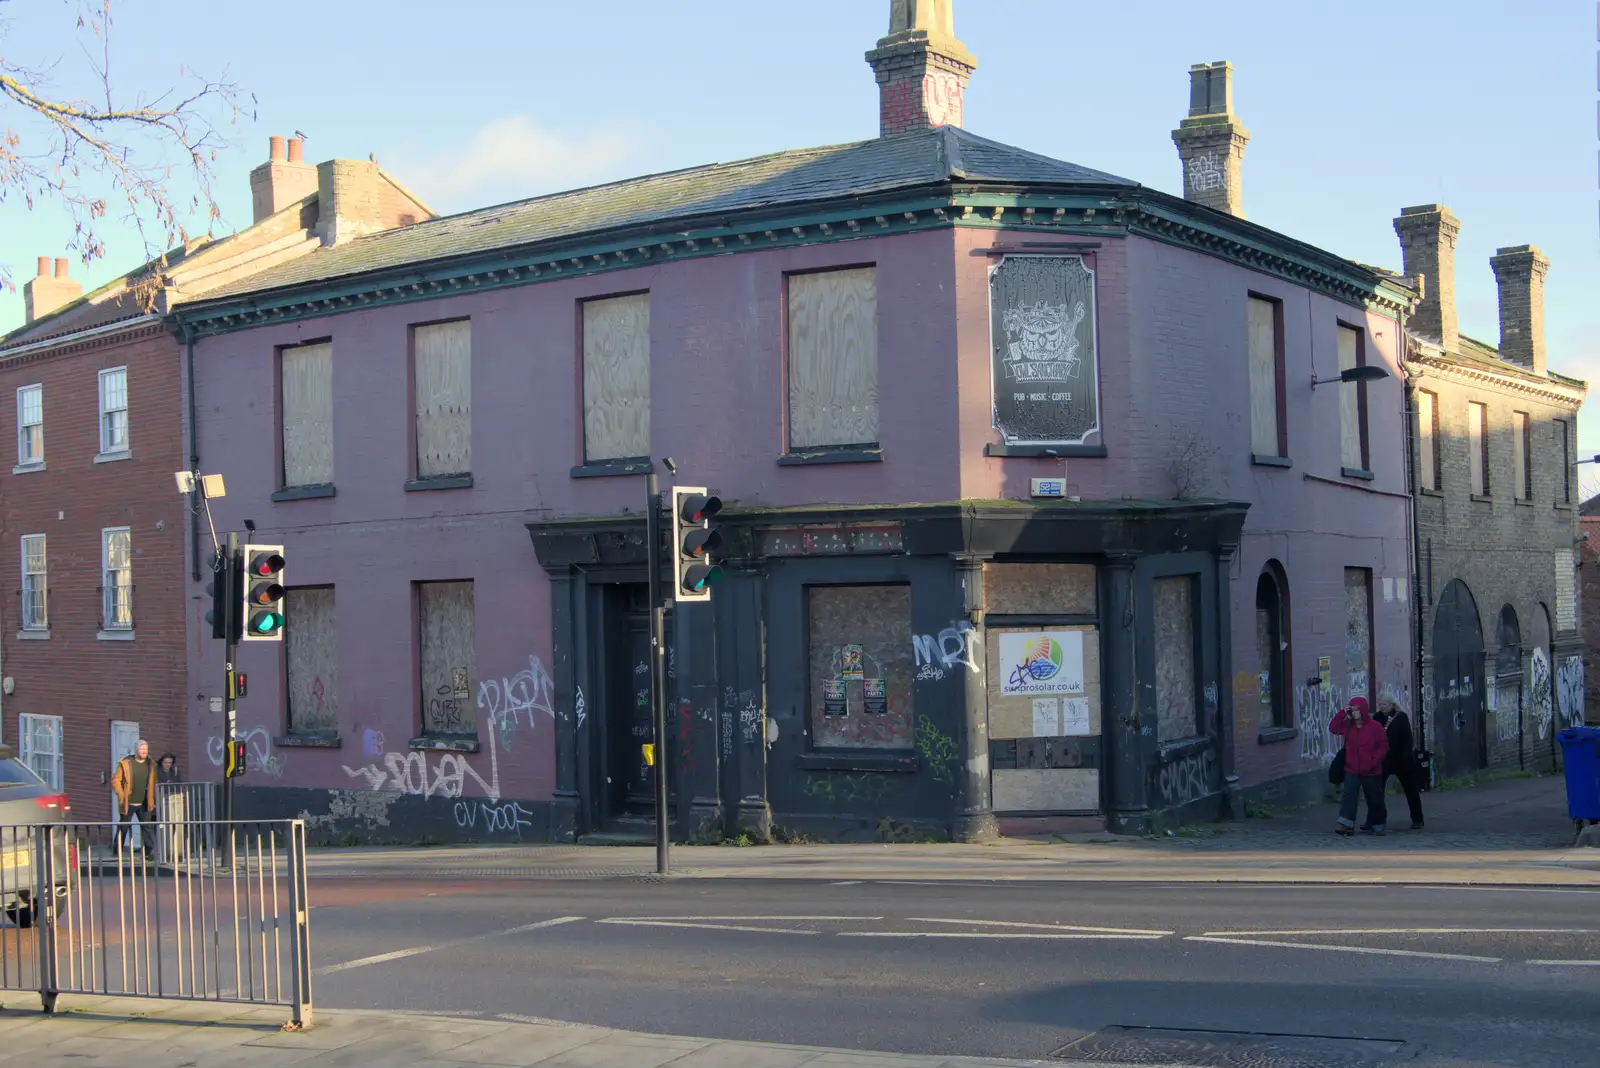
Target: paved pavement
{"points": [[119, 1032]]}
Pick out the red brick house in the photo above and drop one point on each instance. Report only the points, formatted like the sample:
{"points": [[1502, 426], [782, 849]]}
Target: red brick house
{"points": [[92, 527]]}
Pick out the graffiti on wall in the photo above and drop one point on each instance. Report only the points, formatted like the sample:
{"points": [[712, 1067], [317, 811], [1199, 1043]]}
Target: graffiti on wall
{"points": [[259, 753], [956, 646], [1314, 708], [1569, 691], [1541, 693], [1185, 780], [490, 818], [513, 700]]}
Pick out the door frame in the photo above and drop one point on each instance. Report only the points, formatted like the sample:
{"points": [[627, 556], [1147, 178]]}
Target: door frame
{"points": [[116, 811]]}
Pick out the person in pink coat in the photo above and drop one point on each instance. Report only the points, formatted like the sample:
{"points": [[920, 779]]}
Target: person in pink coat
{"points": [[1366, 743]]}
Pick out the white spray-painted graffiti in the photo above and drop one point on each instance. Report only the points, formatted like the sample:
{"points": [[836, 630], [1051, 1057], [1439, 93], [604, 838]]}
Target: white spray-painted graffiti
{"points": [[509, 818], [369, 809], [1204, 173], [1541, 694], [581, 709], [507, 701], [1569, 691], [1505, 705], [260, 755], [958, 645], [1187, 779], [1314, 706]]}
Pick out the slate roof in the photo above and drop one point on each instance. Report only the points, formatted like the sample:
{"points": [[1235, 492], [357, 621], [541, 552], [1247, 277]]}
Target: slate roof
{"points": [[1474, 353], [795, 177]]}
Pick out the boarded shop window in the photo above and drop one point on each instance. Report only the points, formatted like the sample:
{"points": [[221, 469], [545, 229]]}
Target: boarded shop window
{"points": [[1352, 401], [1044, 718], [1045, 365], [1478, 447], [1173, 600], [442, 364], [833, 358], [1039, 589], [307, 411], [1272, 648], [616, 378], [449, 657], [1566, 591], [861, 665], [1266, 378], [1358, 630], [1521, 460], [1427, 440], [310, 653]]}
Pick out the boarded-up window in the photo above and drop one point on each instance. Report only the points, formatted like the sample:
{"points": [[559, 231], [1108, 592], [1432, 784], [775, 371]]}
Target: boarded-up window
{"points": [[616, 378], [833, 358], [1352, 402], [1266, 411], [1173, 600], [1038, 589], [861, 666], [1566, 591], [307, 411], [1044, 717], [1521, 473], [442, 356], [310, 644], [449, 657], [1427, 440], [1358, 631], [1272, 651], [1478, 447]]}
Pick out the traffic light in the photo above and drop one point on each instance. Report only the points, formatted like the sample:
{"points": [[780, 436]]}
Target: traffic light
{"points": [[235, 760], [263, 593], [225, 614], [693, 542]]}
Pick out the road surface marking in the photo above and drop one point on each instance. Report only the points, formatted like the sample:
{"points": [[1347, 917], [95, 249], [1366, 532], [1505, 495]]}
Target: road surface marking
{"points": [[1342, 949], [628, 922], [751, 919], [1511, 889], [1568, 963], [401, 954], [1003, 934], [1046, 926], [847, 882], [1412, 931]]}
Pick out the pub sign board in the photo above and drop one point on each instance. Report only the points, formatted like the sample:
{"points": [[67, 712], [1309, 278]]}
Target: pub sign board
{"points": [[1045, 364]]}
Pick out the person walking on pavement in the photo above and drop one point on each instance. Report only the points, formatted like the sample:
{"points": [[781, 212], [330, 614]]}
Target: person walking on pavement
{"points": [[134, 785], [1365, 746], [1402, 759], [167, 769]]}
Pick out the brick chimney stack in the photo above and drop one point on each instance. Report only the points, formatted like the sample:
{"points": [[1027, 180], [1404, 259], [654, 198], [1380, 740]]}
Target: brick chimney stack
{"points": [[1211, 140], [922, 69], [46, 293], [1519, 271], [349, 200], [282, 180], [1428, 247]]}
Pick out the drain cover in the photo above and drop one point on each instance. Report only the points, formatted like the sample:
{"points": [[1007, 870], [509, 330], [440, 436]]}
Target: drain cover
{"points": [[1227, 1049]]}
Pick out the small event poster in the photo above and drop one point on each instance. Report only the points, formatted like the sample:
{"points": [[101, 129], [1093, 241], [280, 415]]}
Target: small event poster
{"points": [[1041, 662], [833, 697], [458, 683], [852, 656], [876, 697], [1075, 715]]}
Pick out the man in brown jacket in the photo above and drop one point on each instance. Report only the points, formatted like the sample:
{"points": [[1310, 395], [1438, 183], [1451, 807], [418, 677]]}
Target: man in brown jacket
{"points": [[134, 784]]}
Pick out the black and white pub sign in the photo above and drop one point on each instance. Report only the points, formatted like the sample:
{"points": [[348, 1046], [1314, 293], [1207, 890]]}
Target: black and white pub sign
{"points": [[1045, 365]]}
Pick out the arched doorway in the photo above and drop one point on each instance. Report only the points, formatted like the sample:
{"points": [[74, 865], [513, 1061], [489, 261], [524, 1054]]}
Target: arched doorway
{"points": [[1273, 659], [1509, 730], [1458, 685]]}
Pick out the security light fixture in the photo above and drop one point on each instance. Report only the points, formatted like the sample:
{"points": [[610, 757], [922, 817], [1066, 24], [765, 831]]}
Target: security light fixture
{"points": [[1366, 372]]}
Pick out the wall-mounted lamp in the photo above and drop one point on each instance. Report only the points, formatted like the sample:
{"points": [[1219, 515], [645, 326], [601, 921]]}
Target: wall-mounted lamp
{"points": [[1367, 372]]}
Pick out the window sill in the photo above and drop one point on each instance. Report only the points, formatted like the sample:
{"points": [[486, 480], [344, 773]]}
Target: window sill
{"points": [[115, 635], [308, 741], [1045, 451], [113, 457], [867, 760], [34, 635], [855, 454], [305, 493], [1357, 472], [449, 743], [1426, 492], [1523, 501], [439, 482], [1270, 461], [1274, 735], [1483, 498], [28, 469], [1563, 506], [636, 465]]}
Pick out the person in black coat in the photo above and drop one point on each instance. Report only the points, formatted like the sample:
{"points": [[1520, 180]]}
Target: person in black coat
{"points": [[1402, 759]]}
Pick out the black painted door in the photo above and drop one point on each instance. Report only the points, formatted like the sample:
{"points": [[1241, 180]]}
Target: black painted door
{"points": [[1460, 705], [629, 789]]}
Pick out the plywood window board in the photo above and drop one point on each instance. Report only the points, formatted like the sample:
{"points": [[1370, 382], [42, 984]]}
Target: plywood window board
{"points": [[833, 358]]}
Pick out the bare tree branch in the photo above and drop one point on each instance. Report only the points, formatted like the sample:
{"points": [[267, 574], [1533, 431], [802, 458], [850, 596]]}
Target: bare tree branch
{"points": [[136, 153]]}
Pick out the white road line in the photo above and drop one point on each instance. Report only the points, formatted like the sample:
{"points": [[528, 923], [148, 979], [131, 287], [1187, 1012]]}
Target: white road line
{"points": [[749, 919], [1341, 949], [1002, 934], [1510, 889], [401, 954], [847, 882], [628, 922], [1567, 963], [1413, 931], [1048, 926]]}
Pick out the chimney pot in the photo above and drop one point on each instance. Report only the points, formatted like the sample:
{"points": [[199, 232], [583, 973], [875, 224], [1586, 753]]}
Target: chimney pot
{"points": [[922, 70], [275, 149], [44, 266], [296, 147], [1211, 140], [1427, 235], [61, 267], [1519, 273], [47, 292]]}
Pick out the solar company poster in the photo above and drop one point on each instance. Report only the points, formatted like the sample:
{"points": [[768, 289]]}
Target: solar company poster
{"points": [[1041, 662]]}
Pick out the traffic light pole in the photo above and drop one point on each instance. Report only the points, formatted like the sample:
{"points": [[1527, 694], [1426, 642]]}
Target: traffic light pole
{"points": [[230, 651], [658, 658]]}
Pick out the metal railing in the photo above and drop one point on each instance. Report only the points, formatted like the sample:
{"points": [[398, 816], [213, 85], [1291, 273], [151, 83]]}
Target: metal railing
{"points": [[186, 813], [224, 917]]}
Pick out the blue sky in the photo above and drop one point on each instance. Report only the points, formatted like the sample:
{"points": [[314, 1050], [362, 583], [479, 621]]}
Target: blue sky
{"points": [[1354, 112]]}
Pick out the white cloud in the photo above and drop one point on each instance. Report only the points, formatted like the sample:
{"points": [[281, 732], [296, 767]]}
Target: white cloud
{"points": [[510, 158]]}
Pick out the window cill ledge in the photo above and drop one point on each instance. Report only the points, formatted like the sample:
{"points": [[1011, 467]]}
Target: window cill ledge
{"points": [[305, 493]]}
